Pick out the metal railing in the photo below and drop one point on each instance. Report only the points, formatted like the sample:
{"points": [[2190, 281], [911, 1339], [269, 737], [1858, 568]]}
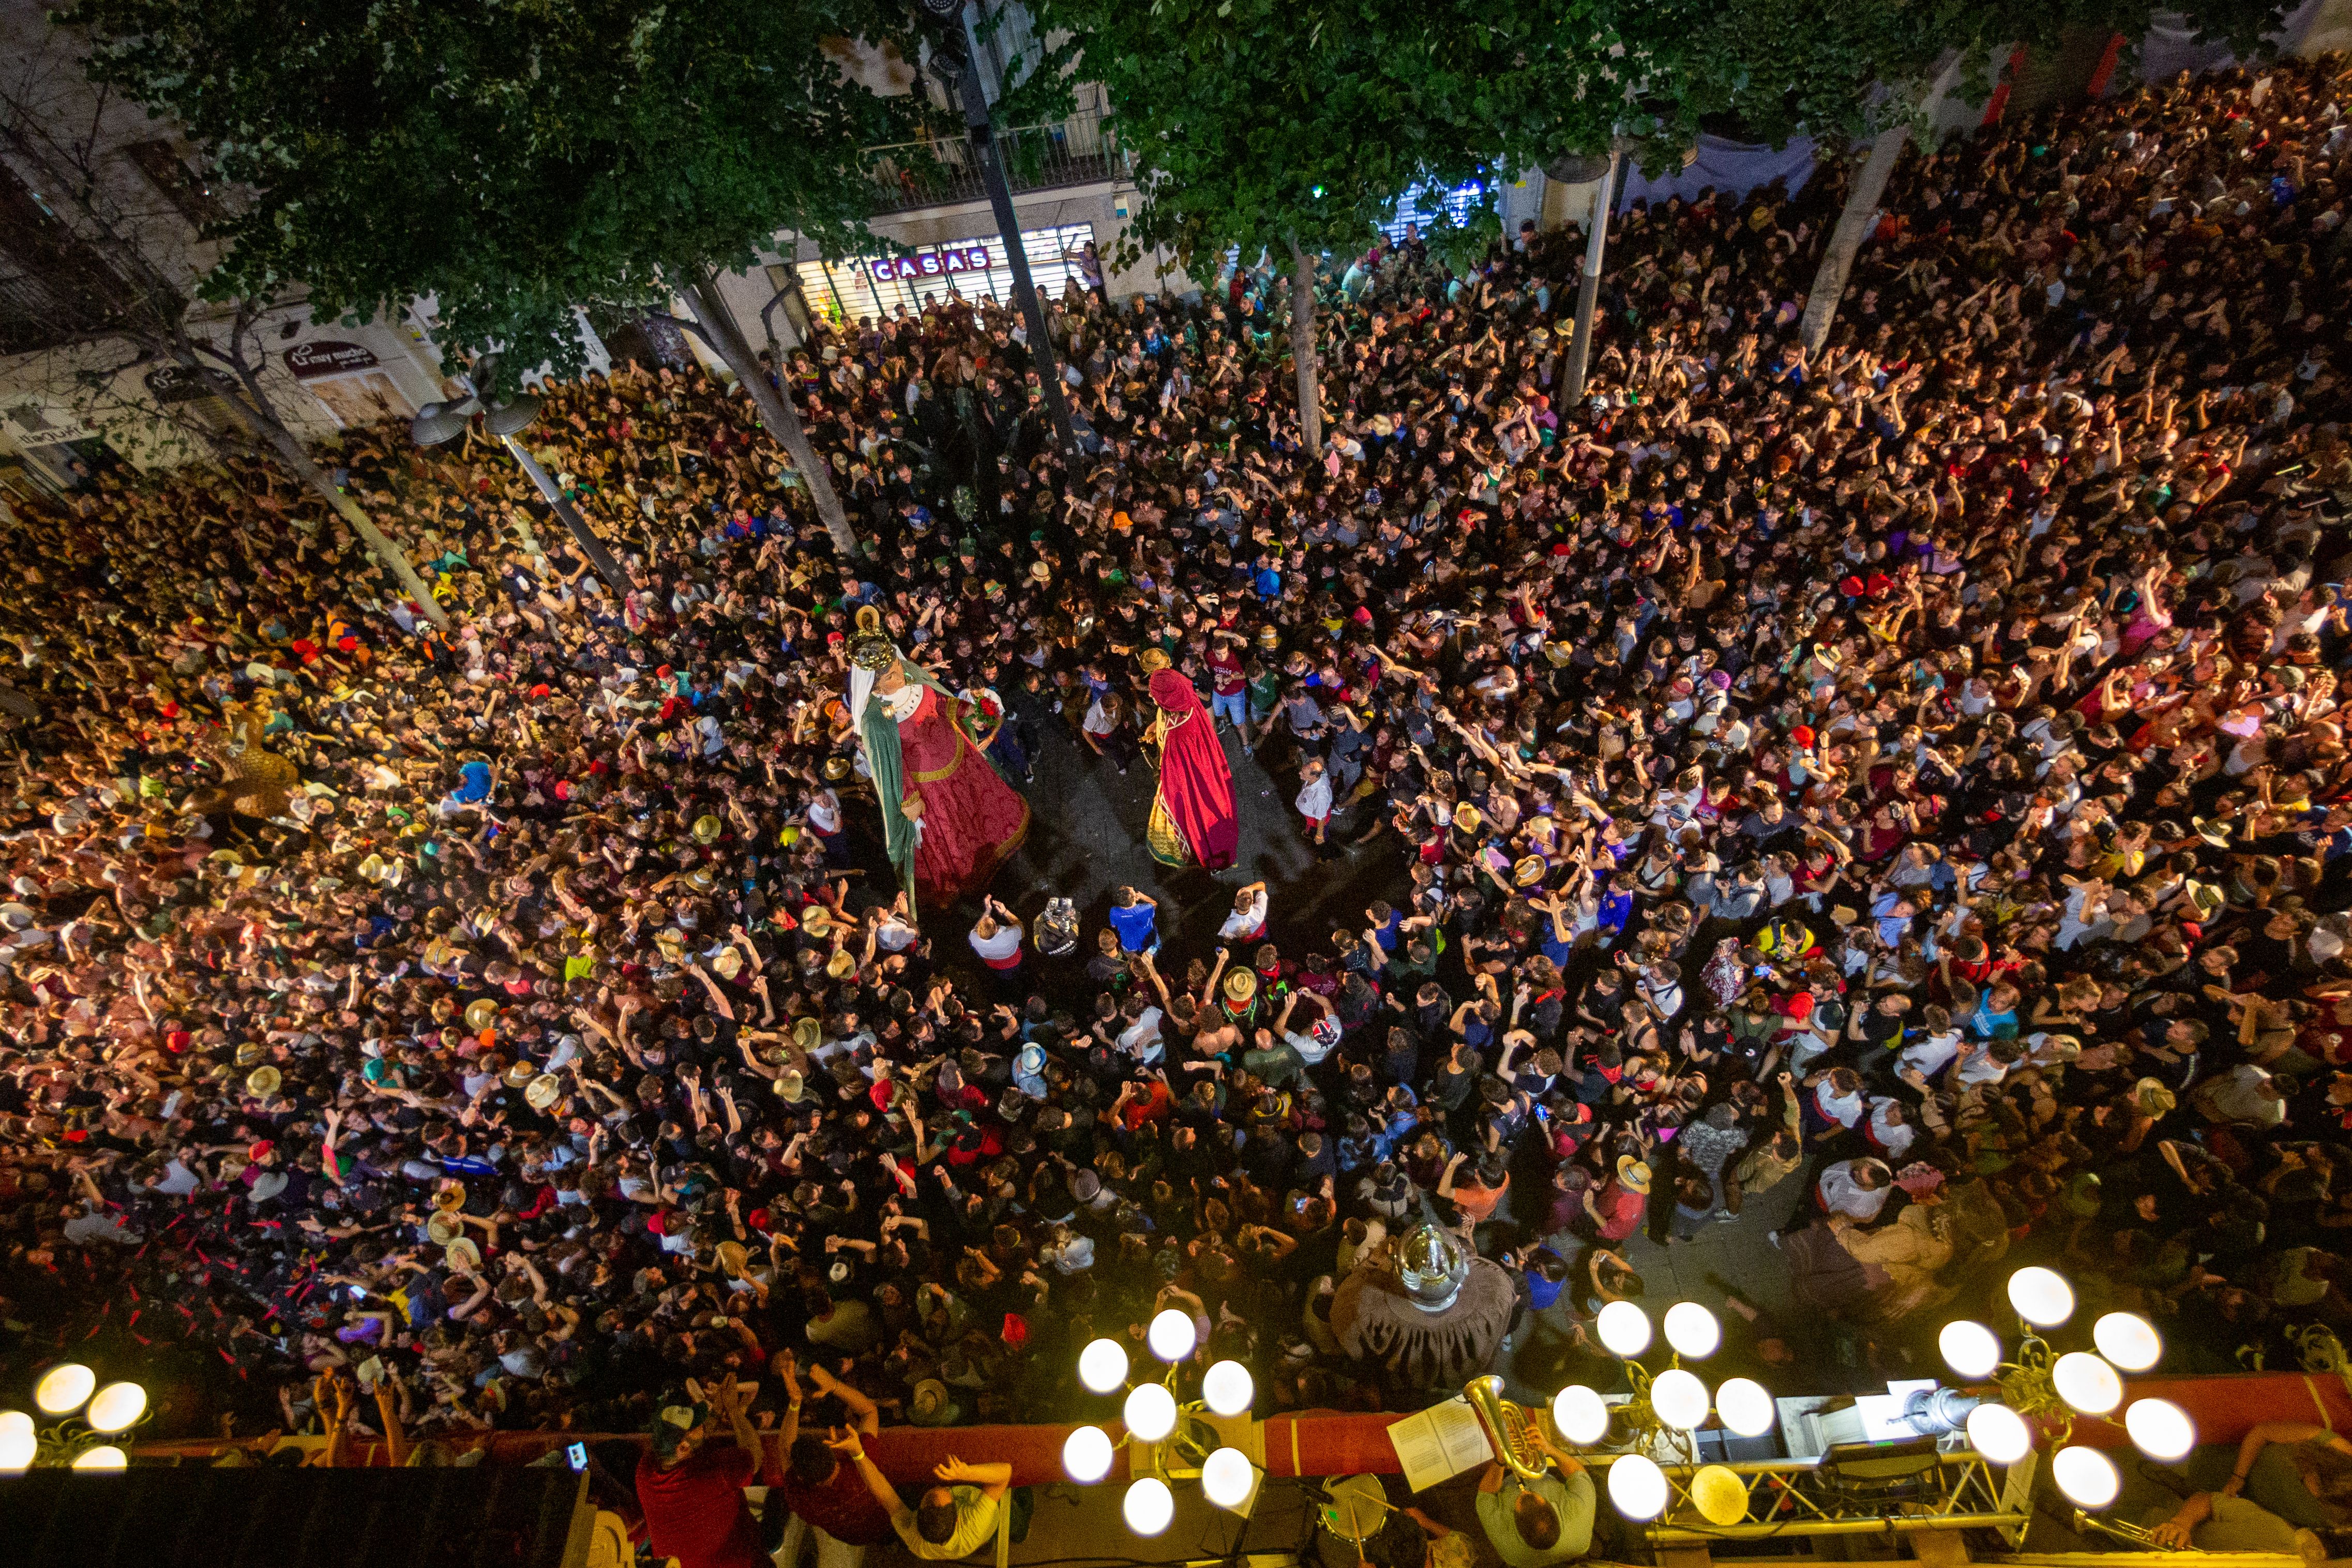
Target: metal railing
{"points": [[1078, 150]]}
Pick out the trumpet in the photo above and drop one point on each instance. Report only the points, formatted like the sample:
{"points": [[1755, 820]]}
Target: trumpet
{"points": [[1509, 1428]]}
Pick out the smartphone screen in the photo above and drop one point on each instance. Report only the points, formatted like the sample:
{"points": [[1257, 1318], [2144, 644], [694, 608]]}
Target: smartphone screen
{"points": [[577, 1454]]}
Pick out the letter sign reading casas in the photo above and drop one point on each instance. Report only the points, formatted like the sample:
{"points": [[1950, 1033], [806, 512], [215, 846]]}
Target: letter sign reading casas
{"points": [[308, 361], [932, 263]]}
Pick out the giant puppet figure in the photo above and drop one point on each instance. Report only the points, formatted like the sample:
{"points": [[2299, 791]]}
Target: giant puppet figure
{"points": [[1193, 818], [949, 820]]}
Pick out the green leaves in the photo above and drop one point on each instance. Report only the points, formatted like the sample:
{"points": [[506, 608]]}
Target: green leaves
{"points": [[512, 160]]}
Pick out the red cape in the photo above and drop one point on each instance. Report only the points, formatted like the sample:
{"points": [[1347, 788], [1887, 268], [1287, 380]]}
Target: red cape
{"points": [[1195, 783]]}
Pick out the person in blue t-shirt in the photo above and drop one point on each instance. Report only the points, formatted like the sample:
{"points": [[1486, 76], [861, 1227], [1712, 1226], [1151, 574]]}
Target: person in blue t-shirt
{"points": [[1132, 916]]}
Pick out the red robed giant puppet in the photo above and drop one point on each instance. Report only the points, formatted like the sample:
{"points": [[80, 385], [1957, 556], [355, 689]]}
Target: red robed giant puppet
{"points": [[1192, 817]]}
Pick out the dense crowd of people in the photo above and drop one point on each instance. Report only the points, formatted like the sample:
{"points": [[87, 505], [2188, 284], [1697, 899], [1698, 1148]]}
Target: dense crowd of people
{"points": [[1910, 772]]}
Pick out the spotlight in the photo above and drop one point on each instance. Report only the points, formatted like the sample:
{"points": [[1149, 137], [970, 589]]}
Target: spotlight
{"points": [[2087, 1476], [1624, 1328], [1691, 1330], [1637, 1486], [1227, 1388], [1746, 1406], [1999, 1433], [1969, 1349], [2129, 1339], [1680, 1399], [2161, 1429], [1102, 1365], [1150, 1412], [1580, 1415], [1171, 1335], [1148, 1506], [2040, 1297], [1085, 1455]]}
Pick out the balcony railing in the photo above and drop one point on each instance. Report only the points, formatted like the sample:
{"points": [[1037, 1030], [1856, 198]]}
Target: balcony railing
{"points": [[1079, 150]]}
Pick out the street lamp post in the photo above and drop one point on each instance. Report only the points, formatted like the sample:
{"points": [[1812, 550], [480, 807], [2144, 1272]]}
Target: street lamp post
{"points": [[437, 423]]}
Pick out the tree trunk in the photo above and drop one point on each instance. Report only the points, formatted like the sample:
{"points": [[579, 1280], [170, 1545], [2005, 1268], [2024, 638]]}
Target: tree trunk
{"points": [[253, 409], [1303, 355], [776, 411], [980, 130], [1587, 287], [1853, 224]]}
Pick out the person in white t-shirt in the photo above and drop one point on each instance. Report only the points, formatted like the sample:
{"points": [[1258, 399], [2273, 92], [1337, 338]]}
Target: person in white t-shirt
{"points": [[996, 937], [1247, 921]]}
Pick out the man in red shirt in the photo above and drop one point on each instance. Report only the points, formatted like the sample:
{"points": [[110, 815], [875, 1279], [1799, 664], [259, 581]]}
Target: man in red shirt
{"points": [[1230, 702], [1616, 1210], [693, 1495], [826, 1497]]}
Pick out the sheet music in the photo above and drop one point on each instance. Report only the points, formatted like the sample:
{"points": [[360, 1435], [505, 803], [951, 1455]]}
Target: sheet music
{"points": [[1440, 1443]]}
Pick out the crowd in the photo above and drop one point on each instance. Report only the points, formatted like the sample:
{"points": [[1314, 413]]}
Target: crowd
{"points": [[1910, 772]]}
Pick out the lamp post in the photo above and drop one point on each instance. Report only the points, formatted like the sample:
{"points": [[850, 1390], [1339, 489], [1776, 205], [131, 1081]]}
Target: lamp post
{"points": [[2042, 1384], [83, 1419], [1212, 1440], [438, 423]]}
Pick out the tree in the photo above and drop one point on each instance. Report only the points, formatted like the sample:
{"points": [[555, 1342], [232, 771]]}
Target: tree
{"points": [[139, 293], [516, 161], [1843, 70], [1294, 128]]}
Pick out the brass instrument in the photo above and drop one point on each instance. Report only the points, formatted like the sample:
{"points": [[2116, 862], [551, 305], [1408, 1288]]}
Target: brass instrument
{"points": [[2124, 1530], [1509, 1428]]}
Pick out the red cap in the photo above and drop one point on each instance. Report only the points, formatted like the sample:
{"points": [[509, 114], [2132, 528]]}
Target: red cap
{"points": [[542, 690], [1016, 1329], [176, 1040], [1803, 735], [262, 1150]]}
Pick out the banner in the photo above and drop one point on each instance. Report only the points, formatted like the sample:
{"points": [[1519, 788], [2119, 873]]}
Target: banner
{"points": [[311, 361], [29, 422]]}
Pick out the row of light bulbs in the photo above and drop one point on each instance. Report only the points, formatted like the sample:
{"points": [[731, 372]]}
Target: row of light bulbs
{"points": [[63, 1390]]}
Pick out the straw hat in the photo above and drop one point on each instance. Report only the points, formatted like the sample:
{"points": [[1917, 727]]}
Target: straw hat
{"points": [[1633, 1173], [818, 921], [807, 1034], [841, 965], [729, 963], [1241, 985], [444, 1229], [248, 1053], [543, 1091], [518, 1074], [262, 1082], [790, 1087], [462, 1254], [706, 829], [480, 1013], [1466, 817], [1530, 870]]}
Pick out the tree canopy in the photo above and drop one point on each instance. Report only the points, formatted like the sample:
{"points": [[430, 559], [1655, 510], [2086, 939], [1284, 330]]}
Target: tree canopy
{"points": [[513, 161], [1256, 122]]}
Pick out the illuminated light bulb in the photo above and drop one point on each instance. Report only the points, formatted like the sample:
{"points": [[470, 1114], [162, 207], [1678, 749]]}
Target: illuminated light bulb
{"points": [[1085, 1455], [1999, 1433], [2087, 1476], [1624, 1328], [1637, 1486], [2086, 1383], [1969, 1349], [1150, 1412], [1680, 1399], [1171, 1335], [1102, 1365], [1148, 1506], [1580, 1415], [63, 1388], [106, 1457], [2040, 1297], [2129, 1339], [1691, 1330], [116, 1406], [1746, 1406], [1227, 1389], [2160, 1428], [1227, 1478], [17, 1441]]}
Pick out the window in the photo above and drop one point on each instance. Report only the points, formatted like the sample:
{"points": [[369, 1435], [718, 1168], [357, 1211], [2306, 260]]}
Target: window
{"points": [[1421, 206], [171, 177], [876, 286]]}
